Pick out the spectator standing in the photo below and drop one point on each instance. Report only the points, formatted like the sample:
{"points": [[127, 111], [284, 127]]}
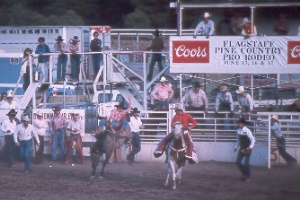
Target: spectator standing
{"points": [[58, 126], [282, 26], [206, 27], [224, 100], [26, 68], [224, 25], [43, 61], [157, 45], [135, 126], [8, 128], [61, 48], [246, 103], [25, 131], [75, 58], [95, 46], [236, 23], [197, 98], [244, 146], [248, 30], [40, 126], [10, 103], [163, 94], [3, 98]]}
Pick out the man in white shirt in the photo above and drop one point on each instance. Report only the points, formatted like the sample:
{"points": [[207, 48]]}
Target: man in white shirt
{"points": [[135, 126], [205, 27], [25, 131], [246, 103], [40, 126], [8, 128]]}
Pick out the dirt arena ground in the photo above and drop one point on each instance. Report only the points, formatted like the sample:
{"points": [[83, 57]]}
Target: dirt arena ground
{"points": [[144, 180]]}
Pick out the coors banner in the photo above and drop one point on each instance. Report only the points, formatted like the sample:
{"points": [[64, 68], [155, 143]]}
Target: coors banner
{"points": [[261, 55]]}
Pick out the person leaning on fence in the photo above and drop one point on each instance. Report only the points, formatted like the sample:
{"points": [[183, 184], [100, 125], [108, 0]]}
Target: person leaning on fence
{"points": [[95, 46], [248, 30], [43, 61], [135, 126], [157, 45], [25, 131], [246, 103], [8, 128], [75, 58], [25, 70], [224, 100], [198, 99], [62, 59], [280, 141], [40, 126], [163, 94], [205, 27], [244, 146], [185, 119]]}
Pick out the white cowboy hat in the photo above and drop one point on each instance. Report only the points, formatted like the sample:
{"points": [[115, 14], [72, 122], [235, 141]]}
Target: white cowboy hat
{"points": [[241, 90], [274, 117], [25, 118], [163, 79], [245, 21], [179, 106], [9, 94], [206, 15], [39, 113], [223, 88]]}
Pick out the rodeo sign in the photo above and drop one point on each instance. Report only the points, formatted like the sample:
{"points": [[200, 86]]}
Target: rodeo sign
{"points": [[235, 55]]}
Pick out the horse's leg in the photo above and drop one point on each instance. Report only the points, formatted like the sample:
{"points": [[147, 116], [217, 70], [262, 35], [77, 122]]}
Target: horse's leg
{"points": [[107, 156], [169, 172], [95, 162], [178, 174], [173, 170]]}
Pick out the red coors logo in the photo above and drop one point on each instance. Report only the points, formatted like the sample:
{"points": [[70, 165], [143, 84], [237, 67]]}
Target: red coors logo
{"points": [[190, 51], [293, 52]]}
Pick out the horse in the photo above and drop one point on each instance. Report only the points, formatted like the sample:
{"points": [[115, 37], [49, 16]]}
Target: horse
{"points": [[176, 156], [105, 143]]}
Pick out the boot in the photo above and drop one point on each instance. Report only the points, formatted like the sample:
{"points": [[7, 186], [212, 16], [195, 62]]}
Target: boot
{"points": [[160, 148], [190, 152]]}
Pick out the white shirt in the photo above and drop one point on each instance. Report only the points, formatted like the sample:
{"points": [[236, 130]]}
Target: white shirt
{"points": [[40, 126], [246, 101], [25, 133], [135, 124], [8, 125], [76, 124], [13, 105], [248, 133]]}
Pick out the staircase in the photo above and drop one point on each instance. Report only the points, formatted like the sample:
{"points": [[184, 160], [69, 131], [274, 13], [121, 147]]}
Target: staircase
{"points": [[28, 95]]}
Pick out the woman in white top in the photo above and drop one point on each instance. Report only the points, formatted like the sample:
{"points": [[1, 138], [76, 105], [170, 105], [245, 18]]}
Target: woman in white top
{"points": [[40, 126]]}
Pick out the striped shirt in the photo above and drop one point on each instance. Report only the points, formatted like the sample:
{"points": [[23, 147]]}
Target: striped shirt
{"points": [[197, 99], [162, 93]]}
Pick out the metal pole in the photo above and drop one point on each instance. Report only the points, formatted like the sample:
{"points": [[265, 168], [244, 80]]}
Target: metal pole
{"points": [[145, 81], [179, 18], [180, 84], [269, 142], [252, 87], [252, 18], [119, 42]]}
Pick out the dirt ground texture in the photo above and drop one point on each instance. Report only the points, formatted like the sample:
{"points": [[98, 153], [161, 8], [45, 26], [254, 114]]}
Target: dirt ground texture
{"points": [[145, 180]]}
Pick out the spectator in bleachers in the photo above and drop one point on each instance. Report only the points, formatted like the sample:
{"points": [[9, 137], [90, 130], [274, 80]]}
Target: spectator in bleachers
{"points": [[246, 103], [282, 26], [10, 103], [62, 48], [205, 27], [224, 100], [280, 141], [236, 23], [25, 70], [95, 46], [248, 30], [43, 61], [197, 98], [162, 94], [75, 58]]}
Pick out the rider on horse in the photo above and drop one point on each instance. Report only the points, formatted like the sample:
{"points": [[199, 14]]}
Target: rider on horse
{"points": [[184, 119]]}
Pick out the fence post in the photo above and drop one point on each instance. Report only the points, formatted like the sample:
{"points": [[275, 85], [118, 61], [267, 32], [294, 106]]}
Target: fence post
{"points": [[269, 141]]}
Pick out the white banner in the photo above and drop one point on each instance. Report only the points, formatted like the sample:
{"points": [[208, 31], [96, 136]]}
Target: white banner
{"points": [[231, 54]]}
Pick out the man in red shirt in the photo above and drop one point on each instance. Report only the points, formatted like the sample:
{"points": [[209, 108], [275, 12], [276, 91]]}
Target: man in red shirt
{"points": [[185, 119]]}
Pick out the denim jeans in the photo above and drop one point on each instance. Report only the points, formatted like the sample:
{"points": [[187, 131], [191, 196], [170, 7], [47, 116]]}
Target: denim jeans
{"points": [[161, 104], [123, 124], [280, 143], [136, 146], [156, 57], [61, 67], [75, 66], [24, 150], [58, 139], [10, 149], [244, 168], [96, 58]]}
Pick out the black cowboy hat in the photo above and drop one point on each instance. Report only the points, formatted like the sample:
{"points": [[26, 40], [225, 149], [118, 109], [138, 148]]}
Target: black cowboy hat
{"points": [[12, 112], [135, 110], [59, 38], [56, 108], [242, 120], [95, 33], [75, 39]]}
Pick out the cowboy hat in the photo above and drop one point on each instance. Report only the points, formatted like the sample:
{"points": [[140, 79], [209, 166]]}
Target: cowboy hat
{"points": [[223, 88], [9, 95], [95, 33], [274, 117], [12, 112], [179, 106], [25, 118], [39, 113], [135, 110], [56, 108], [206, 15], [242, 120], [245, 21], [240, 90], [59, 38], [163, 79], [75, 39]]}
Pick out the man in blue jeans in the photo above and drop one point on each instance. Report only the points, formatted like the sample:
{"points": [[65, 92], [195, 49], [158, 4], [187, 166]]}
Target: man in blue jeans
{"points": [[62, 59], [58, 127], [95, 46]]}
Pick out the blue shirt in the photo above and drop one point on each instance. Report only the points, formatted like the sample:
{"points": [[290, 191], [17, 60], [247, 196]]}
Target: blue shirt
{"points": [[205, 28], [275, 130], [42, 49]]}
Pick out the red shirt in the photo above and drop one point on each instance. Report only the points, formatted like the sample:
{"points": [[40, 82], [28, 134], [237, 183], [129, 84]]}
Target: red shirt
{"points": [[185, 119]]}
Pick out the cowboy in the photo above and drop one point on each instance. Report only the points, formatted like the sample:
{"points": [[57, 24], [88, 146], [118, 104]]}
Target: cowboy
{"points": [[135, 126], [76, 129], [58, 126], [185, 119], [280, 141], [162, 93], [43, 61], [248, 30], [8, 128], [10, 103], [25, 131], [40, 126], [245, 100], [75, 58], [199, 100], [224, 100], [61, 48], [95, 46], [157, 45], [244, 146], [205, 27]]}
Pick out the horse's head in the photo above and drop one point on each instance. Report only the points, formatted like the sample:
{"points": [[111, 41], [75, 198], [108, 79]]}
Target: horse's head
{"points": [[178, 130]]}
